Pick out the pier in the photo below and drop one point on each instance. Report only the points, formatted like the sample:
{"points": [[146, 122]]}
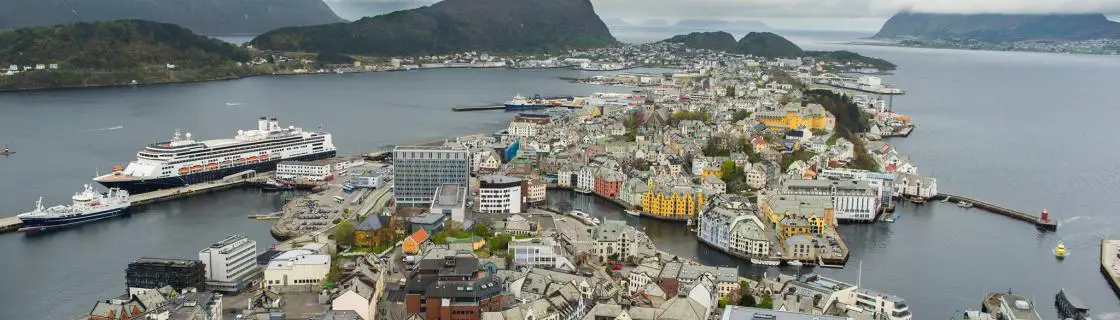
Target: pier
{"points": [[10, 224], [1110, 263], [1042, 221], [147, 198], [478, 108]]}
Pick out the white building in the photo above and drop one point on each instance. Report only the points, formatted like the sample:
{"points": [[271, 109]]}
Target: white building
{"points": [[542, 252], [749, 236], [352, 301], [499, 194], [586, 178], [881, 182], [297, 267], [852, 200], [564, 177], [450, 200], [912, 185], [537, 193], [886, 306], [615, 238], [230, 262], [313, 171]]}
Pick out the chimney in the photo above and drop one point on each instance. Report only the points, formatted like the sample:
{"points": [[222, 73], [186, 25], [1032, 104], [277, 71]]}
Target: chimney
{"points": [[262, 124], [274, 125]]}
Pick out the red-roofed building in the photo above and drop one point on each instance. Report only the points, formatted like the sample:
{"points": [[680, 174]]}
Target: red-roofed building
{"points": [[412, 244]]}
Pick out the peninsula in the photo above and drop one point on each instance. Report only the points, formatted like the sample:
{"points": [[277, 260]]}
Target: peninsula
{"points": [[1065, 33], [122, 52], [454, 26], [201, 16], [771, 45]]}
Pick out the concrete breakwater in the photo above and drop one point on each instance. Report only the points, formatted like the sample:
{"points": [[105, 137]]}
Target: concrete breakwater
{"points": [[1042, 221]]}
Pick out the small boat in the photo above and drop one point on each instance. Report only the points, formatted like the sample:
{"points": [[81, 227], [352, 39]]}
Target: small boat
{"points": [[964, 204], [890, 219], [1060, 251], [273, 185], [633, 212], [917, 200], [795, 263], [6, 152], [1070, 307]]}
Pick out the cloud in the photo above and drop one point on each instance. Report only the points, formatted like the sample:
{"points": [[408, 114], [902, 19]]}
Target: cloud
{"points": [[637, 9], [737, 9]]}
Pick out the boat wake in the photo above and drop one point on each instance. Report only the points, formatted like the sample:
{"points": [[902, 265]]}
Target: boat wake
{"points": [[234, 104], [1070, 220], [109, 128]]}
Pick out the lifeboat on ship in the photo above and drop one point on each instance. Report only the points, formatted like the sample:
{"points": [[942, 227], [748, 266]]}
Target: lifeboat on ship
{"points": [[197, 168], [184, 170], [227, 163], [252, 159], [118, 169], [212, 166], [264, 158], [239, 162]]}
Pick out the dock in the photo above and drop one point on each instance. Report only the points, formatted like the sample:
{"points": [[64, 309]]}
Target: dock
{"points": [[10, 224], [478, 108], [1110, 263], [1042, 221], [147, 198]]}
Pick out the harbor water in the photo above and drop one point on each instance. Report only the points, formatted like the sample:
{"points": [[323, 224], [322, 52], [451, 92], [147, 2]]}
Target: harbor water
{"points": [[63, 138], [1022, 130]]}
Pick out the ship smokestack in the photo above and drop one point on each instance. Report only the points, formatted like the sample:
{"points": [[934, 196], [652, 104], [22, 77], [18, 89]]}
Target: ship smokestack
{"points": [[274, 125], [262, 124]]}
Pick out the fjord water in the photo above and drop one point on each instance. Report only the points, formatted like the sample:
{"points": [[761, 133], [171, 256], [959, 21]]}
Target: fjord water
{"points": [[1020, 129], [64, 137], [1024, 130]]}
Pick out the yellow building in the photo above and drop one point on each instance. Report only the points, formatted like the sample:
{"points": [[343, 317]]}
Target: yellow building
{"points": [[672, 203], [792, 215], [794, 115]]}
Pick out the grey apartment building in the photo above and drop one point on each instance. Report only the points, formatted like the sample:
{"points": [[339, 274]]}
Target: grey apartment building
{"points": [[418, 171]]}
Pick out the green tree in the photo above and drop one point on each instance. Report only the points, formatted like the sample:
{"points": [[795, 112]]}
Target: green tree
{"points": [[722, 303], [747, 300], [767, 303], [481, 230], [344, 234], [500, 243]]}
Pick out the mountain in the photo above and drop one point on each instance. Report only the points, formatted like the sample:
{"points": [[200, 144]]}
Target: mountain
{"points": [[113, 53], [654, 23], [718, 40], [616, 22], [1000, 27], [708, 24], [769, 45], [202, 16], [454, 26]]}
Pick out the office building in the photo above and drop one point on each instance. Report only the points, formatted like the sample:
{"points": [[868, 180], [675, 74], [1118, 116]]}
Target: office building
{"points": [[297, 267], [499, 194], [419, 171], [450, 200], [852, 200], [154, 273], [304, 170], [229, 263]]}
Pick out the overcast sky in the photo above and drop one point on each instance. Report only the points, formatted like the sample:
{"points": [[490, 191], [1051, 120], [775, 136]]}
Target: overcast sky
{"points": [[780, 14]]}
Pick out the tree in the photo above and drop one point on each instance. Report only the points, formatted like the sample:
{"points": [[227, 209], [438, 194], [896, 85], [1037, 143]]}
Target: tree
{"points": [[730, 91], [344, 234], [767, 303], [481, 230], [747, 300]]}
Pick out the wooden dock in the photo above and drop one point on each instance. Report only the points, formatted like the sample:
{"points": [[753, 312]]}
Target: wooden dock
{"points": [[1110, 263], [1043, 221]]}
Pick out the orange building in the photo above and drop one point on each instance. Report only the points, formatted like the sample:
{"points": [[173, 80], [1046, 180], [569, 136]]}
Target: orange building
{"points": [[414, 241]]}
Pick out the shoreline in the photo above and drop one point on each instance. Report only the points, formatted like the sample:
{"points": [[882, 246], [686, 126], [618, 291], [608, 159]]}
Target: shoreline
{"points": [[275, 74], [890, 45]]}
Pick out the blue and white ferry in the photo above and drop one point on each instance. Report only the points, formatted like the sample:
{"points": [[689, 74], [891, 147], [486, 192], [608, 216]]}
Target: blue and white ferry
{"points": [[88, 206]]}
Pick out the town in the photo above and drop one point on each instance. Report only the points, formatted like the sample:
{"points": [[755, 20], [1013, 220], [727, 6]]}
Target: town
{"points": [[746, 152]]}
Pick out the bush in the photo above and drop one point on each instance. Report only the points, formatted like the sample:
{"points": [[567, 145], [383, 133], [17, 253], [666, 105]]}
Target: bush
{"points": [[344, 234]]}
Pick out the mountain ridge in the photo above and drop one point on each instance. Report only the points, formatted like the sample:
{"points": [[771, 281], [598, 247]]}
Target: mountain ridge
{"points": [[454, 26], [1000, 27]]}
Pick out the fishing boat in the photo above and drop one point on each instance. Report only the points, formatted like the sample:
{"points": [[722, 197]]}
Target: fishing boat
{"points": [[964, 204], [633, 212], [7, 152], [1060, 251]]}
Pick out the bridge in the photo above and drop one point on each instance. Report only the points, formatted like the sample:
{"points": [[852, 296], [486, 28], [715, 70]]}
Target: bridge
{"points": [[1042, 222]]}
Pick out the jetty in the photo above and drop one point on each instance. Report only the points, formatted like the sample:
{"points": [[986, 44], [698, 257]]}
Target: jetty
{"points": [[1110, 263], [1042, 221], [478, 108], [10, 224], [157, 196]]}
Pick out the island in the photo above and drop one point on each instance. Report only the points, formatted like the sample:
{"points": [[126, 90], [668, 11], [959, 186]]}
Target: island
{"points": [[214, 17], [771, 45], [122, 52], [1063, 33], [454, 26]]}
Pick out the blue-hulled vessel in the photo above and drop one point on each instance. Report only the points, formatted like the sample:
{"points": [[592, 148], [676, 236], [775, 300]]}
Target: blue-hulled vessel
{"points": [[88, 205], [520, 103]]}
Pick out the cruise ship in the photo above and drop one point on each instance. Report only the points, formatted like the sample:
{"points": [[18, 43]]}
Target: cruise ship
{"points": [[182, 161], [520, 103], [88, 206]]}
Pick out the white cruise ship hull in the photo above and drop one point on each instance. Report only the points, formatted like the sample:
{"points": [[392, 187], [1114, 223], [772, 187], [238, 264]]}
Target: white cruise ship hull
{"points": [[135, 185]]}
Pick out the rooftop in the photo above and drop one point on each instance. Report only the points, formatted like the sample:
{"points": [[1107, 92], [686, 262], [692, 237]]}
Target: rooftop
{"points": [[494, 178], [167, 261], [744, 313]]}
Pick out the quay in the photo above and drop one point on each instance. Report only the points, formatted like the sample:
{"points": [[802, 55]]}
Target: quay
{"points": [[1042, 221], [147, 198], [10, 224], [478, 108], [1110, 263]]}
